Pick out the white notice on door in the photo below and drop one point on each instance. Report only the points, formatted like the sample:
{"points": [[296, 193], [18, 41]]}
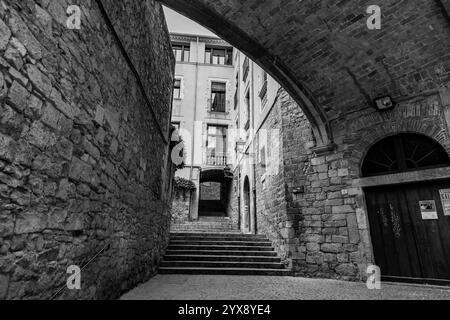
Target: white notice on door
{"points": [[445, 200], [428, 209]]}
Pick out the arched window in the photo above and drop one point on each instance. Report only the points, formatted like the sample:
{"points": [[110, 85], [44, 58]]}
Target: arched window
{"points": [[404, 152]]}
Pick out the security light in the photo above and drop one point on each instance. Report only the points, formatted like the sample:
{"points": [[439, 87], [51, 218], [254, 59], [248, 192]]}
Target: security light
{"points": [[384, 103]]}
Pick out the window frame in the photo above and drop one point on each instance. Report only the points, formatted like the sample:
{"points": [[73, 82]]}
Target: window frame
{"points": [[224, 83], [179, 97], [185, 48], [227, 57]]}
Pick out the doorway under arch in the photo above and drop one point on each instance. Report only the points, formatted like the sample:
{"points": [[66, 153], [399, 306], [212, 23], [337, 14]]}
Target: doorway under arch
{"points": [[409, 223]]}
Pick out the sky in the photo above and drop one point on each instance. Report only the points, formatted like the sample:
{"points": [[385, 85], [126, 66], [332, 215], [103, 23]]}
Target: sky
{"points": [[178, 23]]}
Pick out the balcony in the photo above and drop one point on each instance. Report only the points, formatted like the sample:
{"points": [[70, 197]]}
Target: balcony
{"points": [[216, 160]]}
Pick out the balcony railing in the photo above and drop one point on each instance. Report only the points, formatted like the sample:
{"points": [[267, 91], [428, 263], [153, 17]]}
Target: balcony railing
{"points": [[216, 160]]}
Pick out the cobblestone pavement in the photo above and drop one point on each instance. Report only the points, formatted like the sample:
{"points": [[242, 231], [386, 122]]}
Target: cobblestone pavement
{"points": [[204, 287]]}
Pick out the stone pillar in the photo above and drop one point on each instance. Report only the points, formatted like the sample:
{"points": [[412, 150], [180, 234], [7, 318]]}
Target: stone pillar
{"points": [[195, 198], [445, 100]]}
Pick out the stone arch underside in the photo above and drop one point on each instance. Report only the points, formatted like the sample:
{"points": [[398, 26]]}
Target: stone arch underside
{"points": [[324, 55]]}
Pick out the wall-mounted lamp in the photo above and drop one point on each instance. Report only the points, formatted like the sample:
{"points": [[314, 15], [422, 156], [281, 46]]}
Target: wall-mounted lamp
{"points": [[240, 145], [384, 103], [299, 190]]}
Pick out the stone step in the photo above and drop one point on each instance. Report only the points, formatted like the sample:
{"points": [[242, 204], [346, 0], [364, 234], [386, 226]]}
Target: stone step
{"points": [[206, 223], [214, 219], [225, 271], [215, 235], [218, 238], [206, 230], [226, 253], [230, 242], [222, 253], [219, 247], [221, 264], [203, 229], [193, 257]]}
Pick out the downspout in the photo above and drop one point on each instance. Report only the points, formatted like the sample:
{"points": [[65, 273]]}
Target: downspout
{"points": [[238, 161], [195, 110], [253, 149], [193, 132]]}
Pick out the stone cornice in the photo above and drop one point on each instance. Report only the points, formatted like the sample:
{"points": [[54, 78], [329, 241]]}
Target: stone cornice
{"points": [[177, 37]]}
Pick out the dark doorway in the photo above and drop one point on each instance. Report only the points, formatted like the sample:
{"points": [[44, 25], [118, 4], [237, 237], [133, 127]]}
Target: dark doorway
{"points": [[213, 199], [409, 223], [215, 190], [247, 213]]}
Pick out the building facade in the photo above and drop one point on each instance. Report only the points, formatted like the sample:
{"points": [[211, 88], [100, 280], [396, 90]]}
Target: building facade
{"points": [[202, 109]]}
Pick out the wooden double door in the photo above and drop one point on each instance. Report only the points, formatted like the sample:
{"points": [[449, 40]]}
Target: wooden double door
{"points": [[410, 230]]}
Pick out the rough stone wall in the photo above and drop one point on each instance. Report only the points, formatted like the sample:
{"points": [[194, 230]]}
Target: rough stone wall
{"points": [[311, 209], [83, 170], [233, 199], [210, 191], [271, 205], [331, 237]]}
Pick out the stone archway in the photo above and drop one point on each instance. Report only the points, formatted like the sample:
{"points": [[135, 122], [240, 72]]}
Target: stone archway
{"points": [[215, 186], [342, 66]]}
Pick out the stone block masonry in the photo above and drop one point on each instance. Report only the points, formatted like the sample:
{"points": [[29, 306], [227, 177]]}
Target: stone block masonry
{"points": [[83, 165], [322, 231]]}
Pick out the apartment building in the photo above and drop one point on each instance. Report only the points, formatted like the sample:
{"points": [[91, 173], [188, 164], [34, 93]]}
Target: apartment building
{"points": [[255, 145], [202, 111]]}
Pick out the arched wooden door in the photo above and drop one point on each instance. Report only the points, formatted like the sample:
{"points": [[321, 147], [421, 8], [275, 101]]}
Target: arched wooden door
{"points": [[410, 223], [247, 210]]}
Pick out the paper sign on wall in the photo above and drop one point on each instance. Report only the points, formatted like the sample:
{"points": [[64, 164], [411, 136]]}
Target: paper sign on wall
{"points": [[428, 209], [445, 200]]}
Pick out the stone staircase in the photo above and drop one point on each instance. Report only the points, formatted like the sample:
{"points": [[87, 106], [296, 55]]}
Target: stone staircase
{"points": [[221, 253], [207, 224]]}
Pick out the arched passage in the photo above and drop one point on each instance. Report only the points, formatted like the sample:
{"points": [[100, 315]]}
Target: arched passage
{"points": [[325, 56], [215, 187], [409, 223]]}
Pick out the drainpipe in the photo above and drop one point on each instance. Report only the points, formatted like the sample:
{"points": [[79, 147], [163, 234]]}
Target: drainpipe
{"points": [[253, 148], [193, 132], [195, 110]]}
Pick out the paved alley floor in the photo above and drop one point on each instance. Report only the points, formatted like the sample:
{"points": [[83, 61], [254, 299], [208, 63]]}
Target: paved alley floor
{"points": [[216, 287]]}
